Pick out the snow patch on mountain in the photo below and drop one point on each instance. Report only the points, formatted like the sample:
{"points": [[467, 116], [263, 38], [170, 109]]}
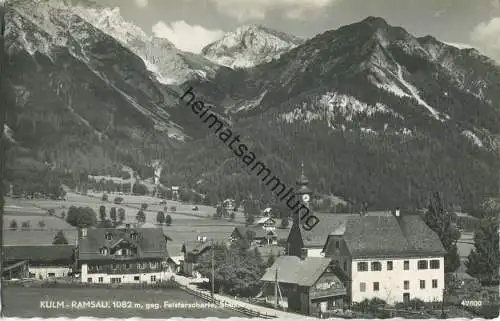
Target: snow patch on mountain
{"points": [[333, 104], [248, 46], [473, 138], [8, 133]]}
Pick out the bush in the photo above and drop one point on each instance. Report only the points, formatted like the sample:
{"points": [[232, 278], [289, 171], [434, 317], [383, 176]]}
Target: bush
{"points": [[81, 216], [121, 214], [51, 211], [168, 220], [118, 200], [25, 225], [173, 208], [140, 217], [140, 189], [13, 225], [104, 197], [144, 206]]}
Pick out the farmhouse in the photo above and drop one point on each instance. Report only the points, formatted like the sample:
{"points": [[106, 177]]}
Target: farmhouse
{"points": [[309, 284], [37, 261], [192, 251], [257, 234], [109, 255], [395, 258], [267, 223]]}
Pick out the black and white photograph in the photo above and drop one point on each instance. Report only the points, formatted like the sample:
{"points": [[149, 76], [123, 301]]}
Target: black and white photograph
{"points": [[284, 159]]}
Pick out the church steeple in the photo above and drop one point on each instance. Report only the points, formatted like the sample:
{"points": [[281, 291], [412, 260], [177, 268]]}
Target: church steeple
{"points": [[303, 191], [295, 242]]}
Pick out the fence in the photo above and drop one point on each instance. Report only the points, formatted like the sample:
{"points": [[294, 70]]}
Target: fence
{"points": [[232, 306]]}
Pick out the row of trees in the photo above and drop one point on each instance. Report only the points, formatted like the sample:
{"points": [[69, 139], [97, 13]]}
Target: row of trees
{"points": [[25, 225], [484, 259]]}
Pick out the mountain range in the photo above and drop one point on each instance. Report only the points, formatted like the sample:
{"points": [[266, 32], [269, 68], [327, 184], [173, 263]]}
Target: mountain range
{"points": [[376, 114]]}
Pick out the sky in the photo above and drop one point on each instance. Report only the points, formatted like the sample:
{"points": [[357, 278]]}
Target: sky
{"points": [[192, 24]]}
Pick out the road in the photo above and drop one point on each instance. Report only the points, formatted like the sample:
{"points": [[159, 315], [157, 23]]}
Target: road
{"points": [[189, 283]]}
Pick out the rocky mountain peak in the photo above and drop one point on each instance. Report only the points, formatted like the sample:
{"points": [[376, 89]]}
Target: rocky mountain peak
{"points": [[249, 45]]}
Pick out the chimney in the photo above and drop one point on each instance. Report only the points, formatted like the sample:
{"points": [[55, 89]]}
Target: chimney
{"points": [[303, 253]]}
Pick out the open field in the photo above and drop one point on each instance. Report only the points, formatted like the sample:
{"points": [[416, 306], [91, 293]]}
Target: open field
{"points": [[25, 302]]}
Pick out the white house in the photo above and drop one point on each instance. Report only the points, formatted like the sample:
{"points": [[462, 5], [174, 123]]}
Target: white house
{"points": [[108, 255], [394, 258], [267, 223]]}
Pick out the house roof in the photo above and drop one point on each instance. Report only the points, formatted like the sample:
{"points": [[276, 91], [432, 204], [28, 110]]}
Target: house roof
{"points": [[39, 253], [292, 269], [407, 235], [331, 222], [150, 242], [263, 220], [258, 230], [195, 247]]}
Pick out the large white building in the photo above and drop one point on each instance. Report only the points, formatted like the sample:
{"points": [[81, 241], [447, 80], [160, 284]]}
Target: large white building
{"points": [[394, 258], [129, 255]]}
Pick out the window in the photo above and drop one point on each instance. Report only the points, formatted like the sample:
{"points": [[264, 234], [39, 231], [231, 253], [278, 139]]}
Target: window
{"points": [[116, 280], [153, 265], [422, 264], [337, 244], [406, 285], [389, 265], [376, 266], [89, 280], [133, 236], [109, 236], [52, 275], [422, 284], [376, 286], [362, 287], [153, 278], [103, 251], [434, 284], [434, 264], [345, 266], [101, 279], [362, 266], [136, 278], [113, 266], [127, 266], [406, 265]]}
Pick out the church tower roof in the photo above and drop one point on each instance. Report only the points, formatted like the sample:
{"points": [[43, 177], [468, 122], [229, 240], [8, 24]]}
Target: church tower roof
{"points": [[302, 182]]}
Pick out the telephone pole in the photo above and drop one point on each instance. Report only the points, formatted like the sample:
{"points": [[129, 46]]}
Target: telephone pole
{"points": [[213, 272], [276, 289]]}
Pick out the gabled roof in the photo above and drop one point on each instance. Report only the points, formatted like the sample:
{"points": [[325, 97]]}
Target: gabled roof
{"points": [[407, 235], [330, 222], [195, 247], [39, 253], [293, 270], [150, 242], [260, 233], [263, 220]]}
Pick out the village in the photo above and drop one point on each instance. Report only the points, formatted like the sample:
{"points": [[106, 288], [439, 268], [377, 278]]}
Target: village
{"points": [[366, 264]]}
